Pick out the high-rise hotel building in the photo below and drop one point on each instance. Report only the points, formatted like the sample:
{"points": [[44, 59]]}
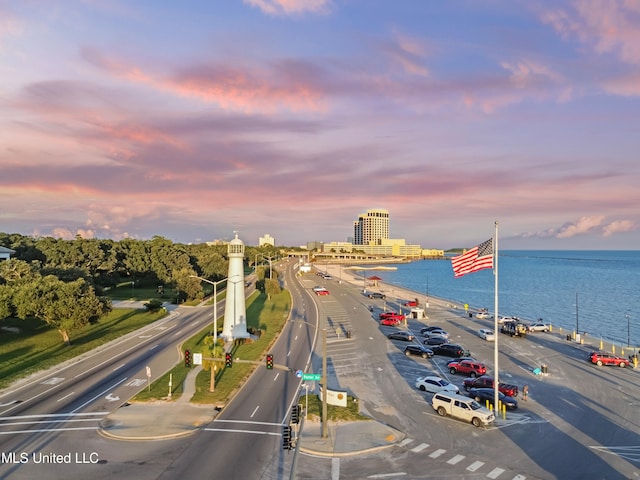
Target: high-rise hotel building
{"points": [[371, 227]]}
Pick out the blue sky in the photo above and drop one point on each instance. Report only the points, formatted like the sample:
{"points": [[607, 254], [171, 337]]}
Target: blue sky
{"points": [[191, 120]]}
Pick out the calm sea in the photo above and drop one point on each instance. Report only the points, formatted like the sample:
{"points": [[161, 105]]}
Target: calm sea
{"points": [[544, 284]]}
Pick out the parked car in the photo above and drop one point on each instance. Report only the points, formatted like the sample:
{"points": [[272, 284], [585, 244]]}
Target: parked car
{"points": [[463, 408], [423, 330], [508, 319], [393, 315], [486, 381], [401, 335], [436, 333], [390, 322], [604, 358], [538, 327], [318, 287], [472, 369], [435, 340], [487, 334], [411, 303], [376, 295], [324, 291], [435, 384], [419, 350], [454, 360], [483, 313], [488, 394], [449, 350]]}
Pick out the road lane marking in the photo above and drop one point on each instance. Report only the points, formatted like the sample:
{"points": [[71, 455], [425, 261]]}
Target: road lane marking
{"points": [[335, 468], [99, 395], [43, 430], [456, 459], [254, 412], [437, 453], [276, 377], [155, 346], [257, 432], [119, 367], [406, 441], [420, 447], [53, 381], [475, 466], [495, 473], [68, 395]]}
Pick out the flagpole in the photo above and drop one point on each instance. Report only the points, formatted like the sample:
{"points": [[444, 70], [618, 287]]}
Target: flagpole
{"points": [[496, 397]]}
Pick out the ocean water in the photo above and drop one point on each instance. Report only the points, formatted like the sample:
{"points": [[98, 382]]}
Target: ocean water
{"points": [[544, 284]]}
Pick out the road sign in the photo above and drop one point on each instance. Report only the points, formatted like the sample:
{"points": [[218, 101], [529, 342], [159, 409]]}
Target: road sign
{"points": [[148, 371], [299, 373], [311, 376]]}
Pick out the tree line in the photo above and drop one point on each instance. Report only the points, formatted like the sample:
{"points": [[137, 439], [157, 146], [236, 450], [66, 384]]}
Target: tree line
{"points": [[65, 283]]}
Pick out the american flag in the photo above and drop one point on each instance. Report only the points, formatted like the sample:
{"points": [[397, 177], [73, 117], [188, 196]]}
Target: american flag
{"points": [[477, 258]]}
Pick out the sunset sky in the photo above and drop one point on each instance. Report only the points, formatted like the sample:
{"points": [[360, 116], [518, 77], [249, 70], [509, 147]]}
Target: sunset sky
{"points": [[193, 119]]}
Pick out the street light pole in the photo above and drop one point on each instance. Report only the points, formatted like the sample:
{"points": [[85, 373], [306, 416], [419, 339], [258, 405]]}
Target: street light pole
{"points": [[628, 330], [215, 304], [325, 427]]}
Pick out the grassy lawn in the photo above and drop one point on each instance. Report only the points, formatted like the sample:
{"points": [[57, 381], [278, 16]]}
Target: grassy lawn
{"points": [[267, 315], [27, 346], [334, 413]]}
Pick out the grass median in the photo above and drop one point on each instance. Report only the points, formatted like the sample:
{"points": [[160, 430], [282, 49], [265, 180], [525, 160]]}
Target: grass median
{"points": [[264, 317]]}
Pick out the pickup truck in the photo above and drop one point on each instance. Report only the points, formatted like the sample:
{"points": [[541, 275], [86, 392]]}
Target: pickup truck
{"points": [[487, 382]]}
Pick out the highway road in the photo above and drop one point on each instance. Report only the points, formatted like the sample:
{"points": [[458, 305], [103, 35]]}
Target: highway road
{"points": [[580, 421]]}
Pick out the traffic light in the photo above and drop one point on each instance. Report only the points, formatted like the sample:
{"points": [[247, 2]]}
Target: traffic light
{"points": [[295, 413], [286, 437], [228, 360], [269, 361], [187, 358]]}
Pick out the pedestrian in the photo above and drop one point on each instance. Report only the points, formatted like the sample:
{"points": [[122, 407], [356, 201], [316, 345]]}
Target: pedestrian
{"points": [[525, 392]]}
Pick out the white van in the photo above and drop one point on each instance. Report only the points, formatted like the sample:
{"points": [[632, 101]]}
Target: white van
{"points": [[464, 408]]}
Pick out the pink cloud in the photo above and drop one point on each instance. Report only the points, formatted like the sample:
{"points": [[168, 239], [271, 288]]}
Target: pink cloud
{"points": [[290, 7], [583, 225], [619, 226], [609, 26], [285, 85]]}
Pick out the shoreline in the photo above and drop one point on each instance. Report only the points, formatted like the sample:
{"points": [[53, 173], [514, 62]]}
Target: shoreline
{"points": [[405, 294]]}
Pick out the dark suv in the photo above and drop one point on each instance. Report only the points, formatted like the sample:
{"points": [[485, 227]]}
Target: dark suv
{"points": [[376, 295], [604, 358], [449, 350]]}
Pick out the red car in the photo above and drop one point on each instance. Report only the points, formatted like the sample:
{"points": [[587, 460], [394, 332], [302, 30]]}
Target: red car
{"points": [[468, 367], [411, 303], [322, 292], [392, 315], [391, 322], [604, 358]]}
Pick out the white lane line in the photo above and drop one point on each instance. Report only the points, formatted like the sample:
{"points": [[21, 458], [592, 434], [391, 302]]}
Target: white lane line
{"points": [[437, 453], [474, 466], [495, 473], [67, 395], [456, 459], [118, 367], [335, 468], [420, 447], [406, 441], [53, 415], [257, 432], [155, 346], [385, 475], [288, 353], [97, 396], [276, 377], [42, 430], [254, 412]]}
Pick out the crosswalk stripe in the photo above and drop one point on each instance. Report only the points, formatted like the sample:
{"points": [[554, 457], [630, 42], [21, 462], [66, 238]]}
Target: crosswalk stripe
{"points": [[456, 459], [437, 453], [474, 466], [420, 447], [406, 441], [495, 473]]}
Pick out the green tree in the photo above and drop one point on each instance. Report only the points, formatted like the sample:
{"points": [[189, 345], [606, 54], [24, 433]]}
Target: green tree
{"points": [[272, 287], [65, 306]]}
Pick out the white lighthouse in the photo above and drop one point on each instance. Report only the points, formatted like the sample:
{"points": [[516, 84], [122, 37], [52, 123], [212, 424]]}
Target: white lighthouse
{"points": [[235, 313]]}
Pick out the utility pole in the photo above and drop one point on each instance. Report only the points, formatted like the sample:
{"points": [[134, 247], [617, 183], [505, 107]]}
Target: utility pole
{"points": [[325, 427]]}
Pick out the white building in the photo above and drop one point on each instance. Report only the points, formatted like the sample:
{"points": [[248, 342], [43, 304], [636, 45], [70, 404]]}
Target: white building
{"points": [[371, 227], [267, 240]]}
